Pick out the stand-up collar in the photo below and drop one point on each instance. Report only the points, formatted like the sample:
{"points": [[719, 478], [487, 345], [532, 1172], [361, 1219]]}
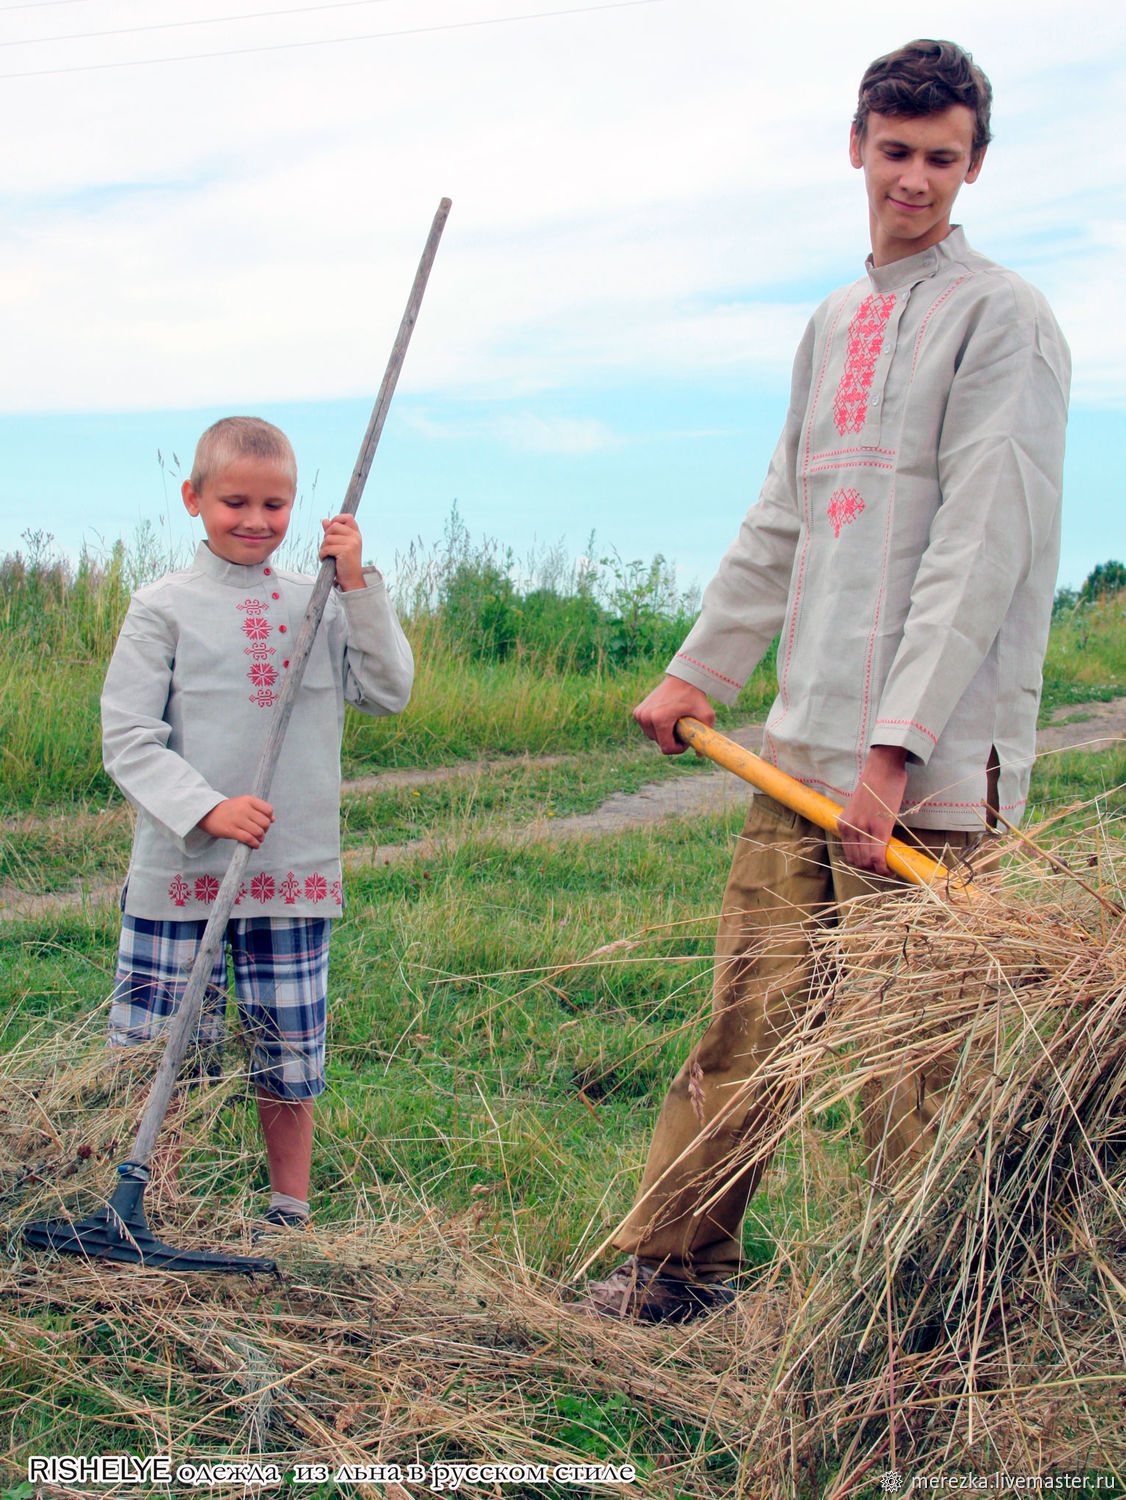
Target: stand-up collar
{"points": [[913, 268], [242, 575]]}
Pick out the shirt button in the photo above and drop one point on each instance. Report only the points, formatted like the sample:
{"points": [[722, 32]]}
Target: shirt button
{"points": [[266, 571], [275, 596], [285, 664], [282, 629], [875, 402]]}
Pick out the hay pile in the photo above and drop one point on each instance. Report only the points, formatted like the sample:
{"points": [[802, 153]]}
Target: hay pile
{"points": [[970, 1318]]}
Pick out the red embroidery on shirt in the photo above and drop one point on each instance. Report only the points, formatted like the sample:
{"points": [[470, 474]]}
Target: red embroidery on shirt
{"points": [[264, 698], [256, 627], [262, 888], [786, 648], [704, 668], [930, 314], [262, 674], [253, 605], [913, 724], [844, 507], [865, 339], [259, 651]]}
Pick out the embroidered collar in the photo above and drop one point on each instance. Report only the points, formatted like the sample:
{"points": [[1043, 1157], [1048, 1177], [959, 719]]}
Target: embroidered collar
{"points": [[914, 268]]}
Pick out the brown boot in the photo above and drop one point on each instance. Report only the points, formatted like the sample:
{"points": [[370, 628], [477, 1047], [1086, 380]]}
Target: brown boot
{"points": [[641, 1294]]}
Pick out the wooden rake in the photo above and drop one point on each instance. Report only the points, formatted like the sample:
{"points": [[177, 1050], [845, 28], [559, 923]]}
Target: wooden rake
{"points": [[119, 1231]]}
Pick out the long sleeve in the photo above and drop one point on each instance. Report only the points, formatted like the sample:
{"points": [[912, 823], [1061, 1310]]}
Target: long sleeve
{"points": [[378, 663], [996, 529], [745, 603], [135, 733]]}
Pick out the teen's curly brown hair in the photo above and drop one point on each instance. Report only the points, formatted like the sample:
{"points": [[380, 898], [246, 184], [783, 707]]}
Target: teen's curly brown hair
{"points": [[924, 78]]}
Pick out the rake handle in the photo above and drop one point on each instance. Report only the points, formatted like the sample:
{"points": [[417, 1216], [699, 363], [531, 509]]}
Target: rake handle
{"points": [[911, 864], [191, 1003]]}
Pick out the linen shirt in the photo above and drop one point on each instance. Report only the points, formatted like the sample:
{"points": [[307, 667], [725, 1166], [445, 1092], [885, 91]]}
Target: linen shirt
{"points": [[906, 540], [194, 678]]}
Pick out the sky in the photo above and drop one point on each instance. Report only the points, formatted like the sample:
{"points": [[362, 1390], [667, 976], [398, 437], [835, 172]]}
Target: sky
{"points": [[218, 205]]}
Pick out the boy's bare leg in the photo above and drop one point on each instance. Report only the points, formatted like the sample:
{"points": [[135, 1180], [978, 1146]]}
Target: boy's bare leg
{"points": [[287, 1126]]}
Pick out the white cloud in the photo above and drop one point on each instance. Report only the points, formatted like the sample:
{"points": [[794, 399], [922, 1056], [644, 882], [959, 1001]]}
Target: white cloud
{"points": [[637, 192]]}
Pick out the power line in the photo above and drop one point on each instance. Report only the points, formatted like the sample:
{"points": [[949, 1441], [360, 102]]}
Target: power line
{"points": [[253, 15], [40, 4], [335, 41]]}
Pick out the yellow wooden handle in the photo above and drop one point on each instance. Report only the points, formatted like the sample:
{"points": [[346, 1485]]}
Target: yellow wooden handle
{"points": [[911, 864]]}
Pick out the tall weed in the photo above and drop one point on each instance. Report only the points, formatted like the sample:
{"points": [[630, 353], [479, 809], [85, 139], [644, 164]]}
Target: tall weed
{"points": [[545, 654]]}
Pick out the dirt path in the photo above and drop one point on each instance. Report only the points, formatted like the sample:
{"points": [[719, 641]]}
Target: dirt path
{"points": [[1092, 727]]}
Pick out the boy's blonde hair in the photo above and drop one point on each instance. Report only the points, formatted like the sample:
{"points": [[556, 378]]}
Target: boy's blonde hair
{"points": [[240, 437]]}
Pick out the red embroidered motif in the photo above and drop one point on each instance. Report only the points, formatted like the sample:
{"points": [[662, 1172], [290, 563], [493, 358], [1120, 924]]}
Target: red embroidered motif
{"points": [[262, 887], [290, 888], [336, 891], [241, 894], [256, 628], [206, 888], [258, 651], [262, 674], [264, 697], [253, 604], [843, 509], [865, 339], [316, 888], [180, 891]]}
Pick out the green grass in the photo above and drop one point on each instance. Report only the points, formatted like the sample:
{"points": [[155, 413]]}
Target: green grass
{"points": [[1086, 659], [478, 1067], [506, 794], [482, 1064], [1078, 776]]}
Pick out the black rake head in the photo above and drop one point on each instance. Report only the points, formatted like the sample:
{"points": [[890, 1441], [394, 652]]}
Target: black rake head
{"points": [[120, 1232]]}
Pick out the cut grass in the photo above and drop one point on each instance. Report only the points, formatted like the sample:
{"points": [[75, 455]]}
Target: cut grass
{"points": [[503, 1023]]}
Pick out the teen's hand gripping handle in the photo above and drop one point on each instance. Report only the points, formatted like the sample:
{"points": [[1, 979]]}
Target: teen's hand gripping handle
{"points": [[910, 864], [183, 1026], [671, 701]]}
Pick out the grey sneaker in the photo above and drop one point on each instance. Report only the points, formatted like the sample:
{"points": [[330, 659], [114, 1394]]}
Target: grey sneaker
{"points": [[638, 1293], [276, 1221]]}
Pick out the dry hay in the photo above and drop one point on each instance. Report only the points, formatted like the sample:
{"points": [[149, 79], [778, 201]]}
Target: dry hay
{"points": [[399, 1336], [970, 1318]]}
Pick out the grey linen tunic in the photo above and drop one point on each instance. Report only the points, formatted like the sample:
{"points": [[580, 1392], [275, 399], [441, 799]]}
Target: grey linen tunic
{"points": [[906, 539], [194, 679]]}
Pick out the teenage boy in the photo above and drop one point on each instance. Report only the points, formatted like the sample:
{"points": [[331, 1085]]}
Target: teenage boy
{"points": [[194, 679], [905, 547]]}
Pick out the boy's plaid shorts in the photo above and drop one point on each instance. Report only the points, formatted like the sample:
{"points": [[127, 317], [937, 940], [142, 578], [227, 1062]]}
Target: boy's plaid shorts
{"points": [[281, 981]]}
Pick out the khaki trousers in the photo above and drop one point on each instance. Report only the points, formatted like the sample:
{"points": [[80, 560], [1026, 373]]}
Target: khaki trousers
{"points": [[709, 1148]]}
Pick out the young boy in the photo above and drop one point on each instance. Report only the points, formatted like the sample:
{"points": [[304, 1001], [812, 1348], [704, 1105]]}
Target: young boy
{"points": [[905, 546], [194, 678]]}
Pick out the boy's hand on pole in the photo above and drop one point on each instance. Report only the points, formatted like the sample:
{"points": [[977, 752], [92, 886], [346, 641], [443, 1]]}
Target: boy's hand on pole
{"points": [[246, 819], [344, 542], [670, 700], [868, 817]]}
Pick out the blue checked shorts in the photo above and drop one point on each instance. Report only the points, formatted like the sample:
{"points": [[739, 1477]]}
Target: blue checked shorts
{"points": [[281, 983]]}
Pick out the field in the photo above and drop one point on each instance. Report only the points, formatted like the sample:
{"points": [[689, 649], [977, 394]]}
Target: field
{"points": [[509, 994]]}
